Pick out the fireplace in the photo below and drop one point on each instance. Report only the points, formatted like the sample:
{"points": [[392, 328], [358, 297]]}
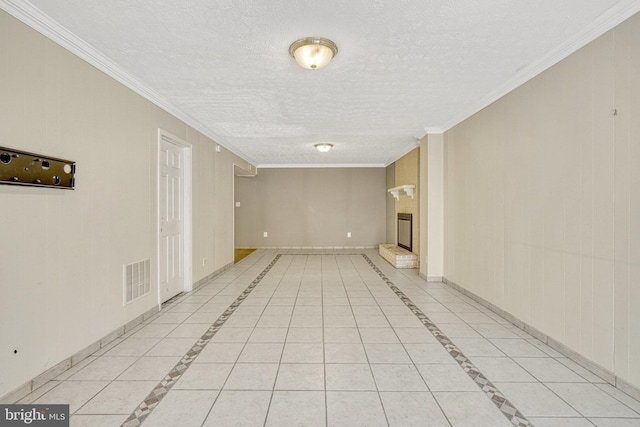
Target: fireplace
{"points": [[405, 231]]}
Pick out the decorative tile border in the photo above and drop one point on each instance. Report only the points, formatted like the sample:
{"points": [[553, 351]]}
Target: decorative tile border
{"points": [[508, 409], [157, 394], [160, 391]]}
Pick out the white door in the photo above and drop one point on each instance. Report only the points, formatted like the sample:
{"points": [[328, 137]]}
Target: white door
{"points": [[171, 203]]}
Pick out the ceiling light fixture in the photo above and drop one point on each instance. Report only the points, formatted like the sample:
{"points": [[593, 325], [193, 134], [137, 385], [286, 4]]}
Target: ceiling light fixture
{"points": [[324, 147], [313, 53]]}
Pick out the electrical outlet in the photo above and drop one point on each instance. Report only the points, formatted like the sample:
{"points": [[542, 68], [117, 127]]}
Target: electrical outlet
{"points": [[349, 234], [265, 234], [237, 204], [204, 262]]}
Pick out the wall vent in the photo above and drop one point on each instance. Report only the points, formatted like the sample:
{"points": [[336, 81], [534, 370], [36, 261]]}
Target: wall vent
{"points": [[137, 280]]}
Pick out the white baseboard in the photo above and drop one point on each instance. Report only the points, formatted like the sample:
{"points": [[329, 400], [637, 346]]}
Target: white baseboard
{"points": [[51, 373], [561, 348]]}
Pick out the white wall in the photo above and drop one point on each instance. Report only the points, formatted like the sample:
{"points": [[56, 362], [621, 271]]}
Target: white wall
{"points": [[62, 252], [423, 206], [542, 202], [435, 205]]}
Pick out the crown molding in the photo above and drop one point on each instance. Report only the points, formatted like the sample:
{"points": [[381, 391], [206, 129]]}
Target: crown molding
{"points": [[42, 23], [433, 130], [36, 19], [320, 165], [622, 11]]}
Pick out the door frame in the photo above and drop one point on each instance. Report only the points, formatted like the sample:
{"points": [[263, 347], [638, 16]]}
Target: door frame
{"points": [[187, 190]]}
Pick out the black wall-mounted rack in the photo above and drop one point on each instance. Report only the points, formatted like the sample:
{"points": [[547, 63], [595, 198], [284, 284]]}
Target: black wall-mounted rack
{"points": [[35, 170]]}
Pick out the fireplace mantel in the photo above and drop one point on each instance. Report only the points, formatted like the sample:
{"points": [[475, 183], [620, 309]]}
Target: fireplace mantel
{"points": [[408, 188]]}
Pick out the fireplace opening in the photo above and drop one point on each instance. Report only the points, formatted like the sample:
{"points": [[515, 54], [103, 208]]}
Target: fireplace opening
{"points": [[405, 231]]}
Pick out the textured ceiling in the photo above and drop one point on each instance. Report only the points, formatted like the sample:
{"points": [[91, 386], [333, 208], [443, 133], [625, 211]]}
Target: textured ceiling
{"points": [[403, 65]]}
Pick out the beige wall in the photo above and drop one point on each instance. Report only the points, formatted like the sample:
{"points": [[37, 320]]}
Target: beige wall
{"points": [[542, 202], [62, 252], [392, 227], [311, 207], [408, 172]]}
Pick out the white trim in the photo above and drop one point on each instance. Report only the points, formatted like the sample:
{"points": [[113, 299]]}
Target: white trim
{"points": [[622, 11], [318, 165], [187, 205], [310, 248], [590, 365], [233, 212], [433, 131], [34, 383], [249, 172], [42, 23]]}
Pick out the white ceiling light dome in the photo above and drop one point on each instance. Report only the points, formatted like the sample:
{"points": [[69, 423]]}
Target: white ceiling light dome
{"points": [[313, 53]]}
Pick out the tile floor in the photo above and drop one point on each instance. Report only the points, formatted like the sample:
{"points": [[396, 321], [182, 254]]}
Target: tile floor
{"points": [[321, 338]]}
